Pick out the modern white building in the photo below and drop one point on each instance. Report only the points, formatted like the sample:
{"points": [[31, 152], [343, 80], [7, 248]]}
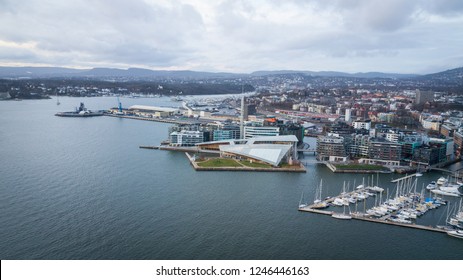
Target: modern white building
{"points": [[186, 138], [348, 115], [271, 149], [362, 124], [260, 131]]}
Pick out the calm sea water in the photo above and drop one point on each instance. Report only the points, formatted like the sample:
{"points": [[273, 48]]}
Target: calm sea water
{"points": [[73, 188]]}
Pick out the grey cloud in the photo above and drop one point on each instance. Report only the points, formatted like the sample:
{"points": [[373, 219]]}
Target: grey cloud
{"points": [[444, 7], [239, 35], [119, 29]]}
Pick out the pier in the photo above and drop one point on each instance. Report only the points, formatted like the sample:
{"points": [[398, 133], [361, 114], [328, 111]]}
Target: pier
{"points": [[373, 220], [150, 119], [405, 178], [365, 217]]}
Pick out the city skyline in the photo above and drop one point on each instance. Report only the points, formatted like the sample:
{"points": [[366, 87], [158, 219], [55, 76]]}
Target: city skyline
{"points": [[415, 37]]}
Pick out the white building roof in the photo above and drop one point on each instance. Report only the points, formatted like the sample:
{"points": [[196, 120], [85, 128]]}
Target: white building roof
{"points": [[153, 108], [269, 153]]}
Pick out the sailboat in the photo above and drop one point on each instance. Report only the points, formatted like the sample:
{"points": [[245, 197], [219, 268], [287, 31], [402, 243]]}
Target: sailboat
{"points": [[343, 215], [376, 188], [318, 203], [459, 214], [301, 203]]}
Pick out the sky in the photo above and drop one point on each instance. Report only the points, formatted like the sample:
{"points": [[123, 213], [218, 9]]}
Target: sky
{"points": [[239, 36]]}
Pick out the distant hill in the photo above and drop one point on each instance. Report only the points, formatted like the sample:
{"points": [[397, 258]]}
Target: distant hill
{"points": [[452, 74], [140, 73], [58, 72], [335, 74]]}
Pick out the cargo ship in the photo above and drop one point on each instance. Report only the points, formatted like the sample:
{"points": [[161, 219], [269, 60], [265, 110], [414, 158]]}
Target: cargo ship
{"points": [[81, 112]]}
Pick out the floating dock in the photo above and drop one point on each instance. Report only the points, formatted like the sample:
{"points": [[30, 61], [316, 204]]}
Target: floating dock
{"points": [[363, 217], [373, 220]]}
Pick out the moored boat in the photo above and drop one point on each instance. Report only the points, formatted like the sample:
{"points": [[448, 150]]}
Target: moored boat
{"points": [[318, 202], [431, 186], [341, 216], [446, 193], [456, 233]]}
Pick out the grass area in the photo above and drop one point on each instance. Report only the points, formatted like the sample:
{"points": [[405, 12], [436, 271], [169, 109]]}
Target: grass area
{"points": [[219, 162], [287, 165], [254, 164], [359, 167]]}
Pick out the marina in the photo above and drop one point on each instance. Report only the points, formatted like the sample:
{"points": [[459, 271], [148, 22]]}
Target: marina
{"points": [[402, 210]]}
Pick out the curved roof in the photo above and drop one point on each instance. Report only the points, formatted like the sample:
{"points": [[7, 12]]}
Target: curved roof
{"points": [[269, 153]]}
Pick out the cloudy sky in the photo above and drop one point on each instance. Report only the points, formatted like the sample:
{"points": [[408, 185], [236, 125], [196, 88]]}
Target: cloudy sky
{"points": [[402, 36]]}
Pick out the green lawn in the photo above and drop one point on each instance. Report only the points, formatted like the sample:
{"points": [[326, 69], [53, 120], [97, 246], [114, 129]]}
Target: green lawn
{"points": [[287, 165], [219, 162], [359, 167], [254, 164]]}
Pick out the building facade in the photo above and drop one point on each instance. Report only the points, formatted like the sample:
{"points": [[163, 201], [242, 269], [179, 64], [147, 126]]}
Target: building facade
{"points": [[331, 146], [260, 131], [186, 138]]}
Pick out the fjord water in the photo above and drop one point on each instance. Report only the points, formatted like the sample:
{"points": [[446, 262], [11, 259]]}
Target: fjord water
{"points": [[80, 188]]}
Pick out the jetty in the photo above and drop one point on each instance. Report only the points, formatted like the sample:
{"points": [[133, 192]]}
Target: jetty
{"points": [[163, 120], [372, 220], [395, 207]]}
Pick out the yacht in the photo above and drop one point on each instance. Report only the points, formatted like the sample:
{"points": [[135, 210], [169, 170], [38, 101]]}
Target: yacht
{"points": [[442, 182], [456, 233], [376, 189], [338, 201], [341, 216], [446, 193], [431, 186]]}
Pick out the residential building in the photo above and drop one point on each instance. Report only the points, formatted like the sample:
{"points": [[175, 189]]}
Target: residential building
{"points": [[423, 96], [458, 141], [362, 124], [382, 149], [447, 129], [186, 138], [359, 146], [260, 131], [331, 147]]}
